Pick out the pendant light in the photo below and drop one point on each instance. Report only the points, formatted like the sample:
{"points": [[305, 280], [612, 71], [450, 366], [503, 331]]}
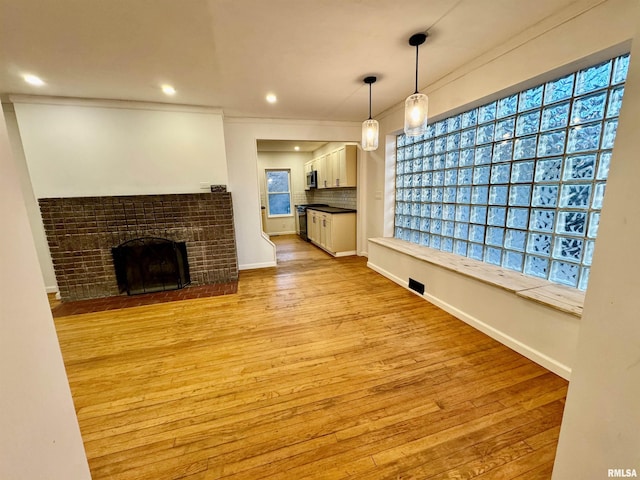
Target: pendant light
{"points": [[370, 127], [416, 106]]}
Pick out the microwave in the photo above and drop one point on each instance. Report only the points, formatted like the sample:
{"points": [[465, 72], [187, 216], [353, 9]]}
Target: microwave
{"points": [[312, 179]]}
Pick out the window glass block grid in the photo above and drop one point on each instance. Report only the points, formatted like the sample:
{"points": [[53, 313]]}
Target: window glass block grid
{"points": [[518, 182]]}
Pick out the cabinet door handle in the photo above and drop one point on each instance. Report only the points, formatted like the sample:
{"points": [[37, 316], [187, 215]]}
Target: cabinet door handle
{"points": [[337, 182], [324, 222]]}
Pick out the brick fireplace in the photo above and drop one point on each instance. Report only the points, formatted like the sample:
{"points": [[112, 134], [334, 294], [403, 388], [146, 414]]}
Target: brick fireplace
{"points": [[81, 232]]}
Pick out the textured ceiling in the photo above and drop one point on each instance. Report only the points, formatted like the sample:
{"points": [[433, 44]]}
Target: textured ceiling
{"points": [[313, 54]]}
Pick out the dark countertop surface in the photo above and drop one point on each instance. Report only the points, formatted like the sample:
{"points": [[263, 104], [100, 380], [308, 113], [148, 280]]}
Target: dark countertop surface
{"points": [[333, 209]]}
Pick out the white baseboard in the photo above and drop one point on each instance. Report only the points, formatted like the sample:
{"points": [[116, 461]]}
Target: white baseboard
{"points": [[347, 253], [531, 353], [275, 234], [52, 289], [251, 266]]}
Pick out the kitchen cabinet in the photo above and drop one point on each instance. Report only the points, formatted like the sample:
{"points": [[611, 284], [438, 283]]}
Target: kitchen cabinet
{"points": [[334, 233], [331, 169], [337, 168], [325, 231], [313, 226], [342, 169], [308, 168], [323, 171]]}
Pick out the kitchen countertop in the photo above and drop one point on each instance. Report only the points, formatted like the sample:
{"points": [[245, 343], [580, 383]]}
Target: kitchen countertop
{"points": [[333, 209]]}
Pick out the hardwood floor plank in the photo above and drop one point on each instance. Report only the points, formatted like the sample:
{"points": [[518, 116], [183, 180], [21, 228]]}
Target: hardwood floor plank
{"points": [[544, 438], [486, 463], [541, 472], [524, 391], [523, 465], [437, 458], [391, 437], [316, 368]]}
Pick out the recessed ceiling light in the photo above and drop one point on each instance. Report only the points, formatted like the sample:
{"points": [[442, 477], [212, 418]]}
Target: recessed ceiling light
{"points": [[168, 90], [271, 98], [33, 80], [296, 148]]}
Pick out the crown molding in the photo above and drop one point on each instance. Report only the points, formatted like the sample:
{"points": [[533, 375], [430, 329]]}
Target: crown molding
{"points": [[105, 103], [290, 121]]}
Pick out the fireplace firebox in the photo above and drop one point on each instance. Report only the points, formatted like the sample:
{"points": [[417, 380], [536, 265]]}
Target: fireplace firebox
{"points": [[150, 264]]}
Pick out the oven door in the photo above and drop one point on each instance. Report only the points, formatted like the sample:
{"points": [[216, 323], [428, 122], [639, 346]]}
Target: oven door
{"points": [[302, 222]]}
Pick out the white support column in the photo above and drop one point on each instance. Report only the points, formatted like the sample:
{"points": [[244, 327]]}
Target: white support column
{"points": [[600, 434], [39, 433]]}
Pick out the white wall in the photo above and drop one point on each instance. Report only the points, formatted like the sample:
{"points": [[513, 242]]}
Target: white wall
{"points": [[601, 424], [33, 210], [294, 162], [254, 249], [39, 433], [80, 148]]}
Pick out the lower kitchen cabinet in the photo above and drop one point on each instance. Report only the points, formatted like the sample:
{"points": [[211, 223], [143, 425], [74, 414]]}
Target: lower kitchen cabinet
{"points": [[334, 233], [313, 225]]}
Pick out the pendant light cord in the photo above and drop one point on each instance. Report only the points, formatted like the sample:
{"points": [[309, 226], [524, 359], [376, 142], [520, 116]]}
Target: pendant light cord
{"points": [[417, 47], [415, 41], [369, 101]]}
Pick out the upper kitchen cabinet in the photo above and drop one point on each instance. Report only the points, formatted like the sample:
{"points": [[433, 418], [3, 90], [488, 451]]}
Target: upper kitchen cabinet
{"points": [[320, 164], [338, 169], [344, 166], [308, 167]]}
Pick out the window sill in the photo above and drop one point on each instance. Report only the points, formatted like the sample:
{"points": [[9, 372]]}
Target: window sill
{"points": [[566, 299]]}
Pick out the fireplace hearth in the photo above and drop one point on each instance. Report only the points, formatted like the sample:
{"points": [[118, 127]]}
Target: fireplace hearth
{"points": [[150, 264]]}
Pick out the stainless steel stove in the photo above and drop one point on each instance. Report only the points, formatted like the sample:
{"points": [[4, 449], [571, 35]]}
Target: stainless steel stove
{"points": [[302, 217]]}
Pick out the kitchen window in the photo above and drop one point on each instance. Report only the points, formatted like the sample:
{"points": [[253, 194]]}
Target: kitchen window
{"points": [[278, 193], [518, 182]]}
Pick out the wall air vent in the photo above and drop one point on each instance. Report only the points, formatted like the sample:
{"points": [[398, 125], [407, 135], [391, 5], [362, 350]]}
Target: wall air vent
{"points": [[416, 286]]}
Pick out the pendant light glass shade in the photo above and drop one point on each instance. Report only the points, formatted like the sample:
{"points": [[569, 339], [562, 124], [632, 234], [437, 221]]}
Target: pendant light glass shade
{"points": [[370, 130], [370, 127], [416, 106]]}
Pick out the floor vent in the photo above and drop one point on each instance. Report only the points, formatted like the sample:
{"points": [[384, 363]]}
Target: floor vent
{"points": [[416, 286]]}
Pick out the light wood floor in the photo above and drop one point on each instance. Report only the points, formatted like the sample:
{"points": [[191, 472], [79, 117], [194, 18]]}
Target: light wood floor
{"points": [[319, 368]]}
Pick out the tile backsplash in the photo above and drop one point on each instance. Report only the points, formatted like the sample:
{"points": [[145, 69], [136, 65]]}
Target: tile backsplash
{"points": [[336, 197]]}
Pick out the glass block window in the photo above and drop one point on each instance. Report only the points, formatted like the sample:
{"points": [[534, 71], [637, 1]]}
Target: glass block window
{"points": [[278, 192], [518, 182]]}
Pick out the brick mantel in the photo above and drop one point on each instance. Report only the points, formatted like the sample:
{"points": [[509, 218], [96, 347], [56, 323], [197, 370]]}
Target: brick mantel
{"points": [[81, 232]]}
